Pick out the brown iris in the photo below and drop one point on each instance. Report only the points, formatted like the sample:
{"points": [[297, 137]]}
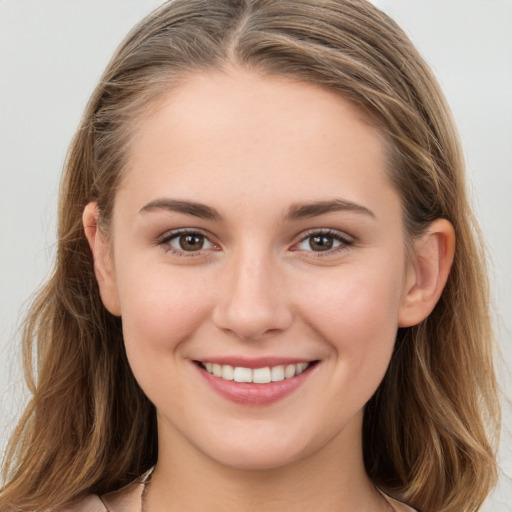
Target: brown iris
{"points": [[321, 242], [191, 242]]}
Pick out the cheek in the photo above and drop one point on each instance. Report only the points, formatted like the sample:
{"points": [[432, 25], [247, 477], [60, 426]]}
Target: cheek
{"points": [[161, 307], [356, 310]]}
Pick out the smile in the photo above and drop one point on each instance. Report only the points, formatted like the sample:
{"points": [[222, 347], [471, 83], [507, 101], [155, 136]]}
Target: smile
{"points": [[255, 375], [255, 382]]}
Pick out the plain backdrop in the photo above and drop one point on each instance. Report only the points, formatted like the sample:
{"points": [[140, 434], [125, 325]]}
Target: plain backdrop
{"points": [[52, 52]]}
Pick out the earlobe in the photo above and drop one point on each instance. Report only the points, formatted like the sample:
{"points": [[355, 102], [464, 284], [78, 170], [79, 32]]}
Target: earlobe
{"points": [[103, 265], [428, 272]]}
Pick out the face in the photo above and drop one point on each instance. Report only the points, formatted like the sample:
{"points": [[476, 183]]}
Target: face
{"points": [[256, 236]]}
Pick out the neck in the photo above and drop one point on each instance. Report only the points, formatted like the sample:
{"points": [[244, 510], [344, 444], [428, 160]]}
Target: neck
{"points": [[331, 479]]}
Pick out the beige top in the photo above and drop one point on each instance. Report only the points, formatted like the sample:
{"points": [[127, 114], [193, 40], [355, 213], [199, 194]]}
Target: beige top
{"points": [[128, 499]]}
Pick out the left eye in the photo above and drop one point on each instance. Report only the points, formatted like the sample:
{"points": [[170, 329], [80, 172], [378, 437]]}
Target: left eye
{"points": [[322, 242], [189, 242]]}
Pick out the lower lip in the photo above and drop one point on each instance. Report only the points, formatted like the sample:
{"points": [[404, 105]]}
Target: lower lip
{"points": [[248, 393]]}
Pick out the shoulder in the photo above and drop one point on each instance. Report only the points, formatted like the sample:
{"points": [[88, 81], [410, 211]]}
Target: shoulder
{"points": [[397, 505], [126, 499], [91, 503]]}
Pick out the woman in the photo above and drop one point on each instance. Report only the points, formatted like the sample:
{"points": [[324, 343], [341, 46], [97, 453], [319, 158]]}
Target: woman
{"points": [[257, 300]]}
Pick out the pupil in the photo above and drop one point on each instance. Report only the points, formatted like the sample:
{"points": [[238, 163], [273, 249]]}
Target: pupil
{"points": [[321, 243], [191, 242]]}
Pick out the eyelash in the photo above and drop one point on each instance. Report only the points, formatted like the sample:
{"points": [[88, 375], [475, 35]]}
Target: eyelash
{"points": [[344, 242], [165, 241]]}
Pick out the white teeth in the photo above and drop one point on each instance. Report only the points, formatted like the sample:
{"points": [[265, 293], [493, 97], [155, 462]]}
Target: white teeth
{"points": [[227, 372], [300, 368], [217, 370], [242, 374], [289, 371], [277, 373], [261, 375], [256, 375]]}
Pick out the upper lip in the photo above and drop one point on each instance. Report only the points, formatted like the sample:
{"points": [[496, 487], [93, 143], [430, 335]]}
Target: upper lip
{"points": [[258, 362]]}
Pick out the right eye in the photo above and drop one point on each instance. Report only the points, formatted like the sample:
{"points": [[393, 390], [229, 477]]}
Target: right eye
{"points": [[186, 243], [189, 242]]}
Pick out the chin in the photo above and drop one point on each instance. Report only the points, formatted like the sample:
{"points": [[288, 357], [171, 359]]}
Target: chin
{"points": [[257, 459], [261, 452]]}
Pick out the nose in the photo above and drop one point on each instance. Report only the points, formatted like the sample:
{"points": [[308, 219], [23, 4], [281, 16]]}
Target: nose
{"points": [[253, 302]]}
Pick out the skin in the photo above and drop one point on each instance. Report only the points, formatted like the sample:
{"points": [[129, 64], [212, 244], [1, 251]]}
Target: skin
{"points": [[252, 148]]}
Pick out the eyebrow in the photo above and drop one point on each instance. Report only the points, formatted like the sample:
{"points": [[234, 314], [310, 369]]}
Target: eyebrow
{"points": [[307, 210], [186, 207], [296, 212]]}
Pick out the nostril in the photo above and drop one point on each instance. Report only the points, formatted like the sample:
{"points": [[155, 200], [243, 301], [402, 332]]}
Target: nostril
{"points": [[252, 322]]}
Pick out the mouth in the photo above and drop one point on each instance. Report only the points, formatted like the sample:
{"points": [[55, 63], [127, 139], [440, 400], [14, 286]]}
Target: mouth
{"points": [[254, 382], [263, 375]]}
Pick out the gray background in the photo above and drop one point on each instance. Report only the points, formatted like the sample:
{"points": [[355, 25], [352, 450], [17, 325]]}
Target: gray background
{"points": [[52, 52]]}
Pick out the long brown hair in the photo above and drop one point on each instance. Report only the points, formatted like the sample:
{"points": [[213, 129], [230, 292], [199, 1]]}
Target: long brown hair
{"points": [[429, 429]]}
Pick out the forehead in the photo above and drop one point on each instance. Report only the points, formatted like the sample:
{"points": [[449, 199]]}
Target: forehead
{"points": [[242, 132]]}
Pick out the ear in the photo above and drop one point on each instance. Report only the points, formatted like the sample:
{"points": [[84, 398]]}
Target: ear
{"points": [[101, 254], [428, 272]]}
